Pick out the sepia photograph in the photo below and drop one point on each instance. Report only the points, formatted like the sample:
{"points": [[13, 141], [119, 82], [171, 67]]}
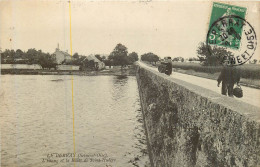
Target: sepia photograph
{"points": [[135, 83]]}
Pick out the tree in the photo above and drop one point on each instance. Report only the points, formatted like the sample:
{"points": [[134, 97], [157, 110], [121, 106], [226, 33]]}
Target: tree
{"points": [[133, 56], [129, 60], [213, 57], [181, 59], [119, 55], [9, 55], [33, 56], [4, 56], [76, 56], [47, 61], [19, 54], [108, 63], [150, 57], [2, 59]]}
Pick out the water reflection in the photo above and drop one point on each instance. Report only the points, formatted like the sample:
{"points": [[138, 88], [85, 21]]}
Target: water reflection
{"points": [[119, 77], [37, 119]]}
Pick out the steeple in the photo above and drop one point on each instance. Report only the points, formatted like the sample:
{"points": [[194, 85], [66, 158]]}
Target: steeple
{"points": [[58, 47]]}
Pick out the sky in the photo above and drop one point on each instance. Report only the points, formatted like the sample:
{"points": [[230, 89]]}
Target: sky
{"points": [[166, 28]]}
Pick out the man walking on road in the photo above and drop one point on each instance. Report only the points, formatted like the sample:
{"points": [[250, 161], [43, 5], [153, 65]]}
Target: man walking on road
{"points": [[169, 66], [229, 76]]}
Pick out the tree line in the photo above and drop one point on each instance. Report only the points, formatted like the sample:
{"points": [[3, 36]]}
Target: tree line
{"points": [[46, 60], [119, 56], [31, 56], [213, 55]]}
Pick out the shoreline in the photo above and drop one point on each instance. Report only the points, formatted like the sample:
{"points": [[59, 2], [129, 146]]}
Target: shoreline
{"points": [[116, 71]]}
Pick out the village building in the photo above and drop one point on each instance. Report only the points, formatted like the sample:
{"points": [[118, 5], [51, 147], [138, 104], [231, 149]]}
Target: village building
{"points": [[98, 64], [67, 68], [61, 56]]}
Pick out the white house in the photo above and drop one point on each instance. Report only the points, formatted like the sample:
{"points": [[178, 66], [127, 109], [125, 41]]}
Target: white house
{"points": [[61, 56], [67, 67], [99, 64]]}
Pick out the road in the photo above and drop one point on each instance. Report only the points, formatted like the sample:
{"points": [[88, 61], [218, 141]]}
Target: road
{"points": [[251, 95]]}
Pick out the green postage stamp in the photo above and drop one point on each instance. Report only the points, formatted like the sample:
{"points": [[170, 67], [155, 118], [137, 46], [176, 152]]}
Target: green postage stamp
{"points": [[228, 31]]}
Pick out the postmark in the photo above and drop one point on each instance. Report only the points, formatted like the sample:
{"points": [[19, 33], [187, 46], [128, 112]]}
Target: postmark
{"points": [[236, 35]]}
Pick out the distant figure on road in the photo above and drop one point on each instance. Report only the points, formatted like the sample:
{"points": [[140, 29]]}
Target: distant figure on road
{"points": [[229, 76], [169, 66], [166, 66]]}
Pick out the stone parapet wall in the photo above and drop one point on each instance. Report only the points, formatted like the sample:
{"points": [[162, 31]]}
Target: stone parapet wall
{"points": [[189, 126]]}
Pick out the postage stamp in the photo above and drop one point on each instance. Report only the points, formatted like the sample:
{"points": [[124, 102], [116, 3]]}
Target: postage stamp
{"points": [[232, 32], [220, 10]]}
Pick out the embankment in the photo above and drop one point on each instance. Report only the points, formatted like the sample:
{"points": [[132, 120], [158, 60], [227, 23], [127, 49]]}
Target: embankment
{"points": [[113, 71], [189, 126]]}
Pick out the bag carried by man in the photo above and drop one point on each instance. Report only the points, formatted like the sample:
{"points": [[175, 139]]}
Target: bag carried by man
{"points": [[238, 92]]}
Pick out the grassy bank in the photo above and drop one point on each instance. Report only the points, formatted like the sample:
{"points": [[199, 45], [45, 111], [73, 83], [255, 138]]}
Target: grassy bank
{"points": [[112, 71]]}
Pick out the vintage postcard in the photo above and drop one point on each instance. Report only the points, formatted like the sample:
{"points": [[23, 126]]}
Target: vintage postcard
{"points": [[129, 83]]}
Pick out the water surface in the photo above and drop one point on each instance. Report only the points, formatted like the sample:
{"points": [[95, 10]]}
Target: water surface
{"points": [[36, 121]]}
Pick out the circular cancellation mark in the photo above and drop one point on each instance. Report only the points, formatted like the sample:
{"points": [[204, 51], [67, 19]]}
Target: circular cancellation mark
{"points": [[234, 34]]}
